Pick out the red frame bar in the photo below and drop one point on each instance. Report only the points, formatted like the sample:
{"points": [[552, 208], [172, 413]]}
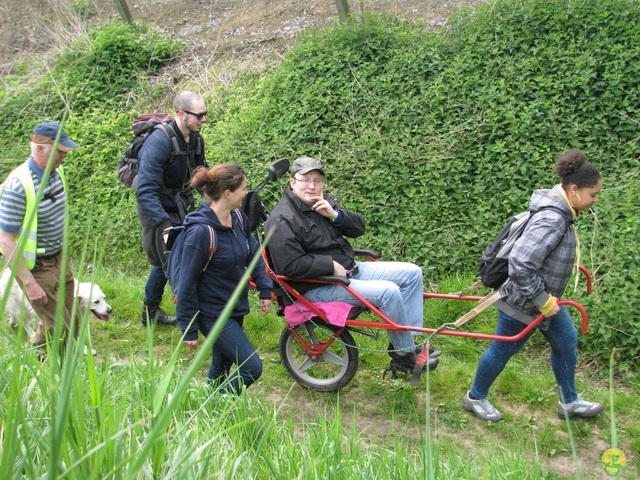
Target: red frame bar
{"points": [[387, 324]]}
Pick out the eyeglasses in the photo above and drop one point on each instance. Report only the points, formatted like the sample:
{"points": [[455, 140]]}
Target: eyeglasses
{"points": [[199, 116], [307, 181]]}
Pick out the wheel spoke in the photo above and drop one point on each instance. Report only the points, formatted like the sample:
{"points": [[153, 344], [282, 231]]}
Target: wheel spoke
{"points": [[331, 357], [306, 365]]}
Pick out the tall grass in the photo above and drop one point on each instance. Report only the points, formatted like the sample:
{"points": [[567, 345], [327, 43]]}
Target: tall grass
{"points": [[150, 416], [71, 416]]}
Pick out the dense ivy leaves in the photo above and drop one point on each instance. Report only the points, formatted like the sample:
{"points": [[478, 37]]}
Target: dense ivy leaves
{"points": [[439, 138]]}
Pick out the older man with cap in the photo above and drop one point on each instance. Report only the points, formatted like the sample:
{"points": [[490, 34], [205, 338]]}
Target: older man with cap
{"points": [[37, 229], [308, 231]]}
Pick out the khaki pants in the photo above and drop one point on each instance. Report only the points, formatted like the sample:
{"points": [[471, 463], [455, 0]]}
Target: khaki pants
{"points": [[47, 273]]}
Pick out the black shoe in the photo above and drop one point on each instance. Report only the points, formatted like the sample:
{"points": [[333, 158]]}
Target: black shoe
{"points": [[433, 353], [406, 363], [156, 315]]}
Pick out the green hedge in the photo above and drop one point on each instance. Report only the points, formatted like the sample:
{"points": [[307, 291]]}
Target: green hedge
{"points": [[435, 137], [438, 138]]}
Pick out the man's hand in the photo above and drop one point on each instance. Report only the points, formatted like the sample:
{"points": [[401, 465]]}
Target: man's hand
{"points": [[32, 289], [35, 293], [325, 209], [339, 270]]}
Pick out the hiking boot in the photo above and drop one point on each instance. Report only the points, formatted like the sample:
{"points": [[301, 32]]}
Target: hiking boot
{"points": [[482, 408], [156, 315], [579, 408]]}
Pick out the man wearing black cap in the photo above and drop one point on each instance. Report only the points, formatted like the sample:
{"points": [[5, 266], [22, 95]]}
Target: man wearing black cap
{"points": [[39, 236], [164, 195], [308, 240]]}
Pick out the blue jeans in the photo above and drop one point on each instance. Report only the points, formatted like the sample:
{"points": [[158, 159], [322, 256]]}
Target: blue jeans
{"points": [[561, 335], [232, 346], [154, 289], [396, 288]]}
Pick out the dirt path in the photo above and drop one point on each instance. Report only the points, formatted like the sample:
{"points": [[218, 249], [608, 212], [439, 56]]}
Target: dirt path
{"points": [[231, 36]]}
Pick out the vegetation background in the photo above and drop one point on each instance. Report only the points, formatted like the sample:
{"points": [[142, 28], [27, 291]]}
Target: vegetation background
{"points": [[436, 130]]}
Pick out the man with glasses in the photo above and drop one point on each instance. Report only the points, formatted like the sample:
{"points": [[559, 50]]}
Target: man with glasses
{"points": [[308, 231], [164, 195], [37, 229]]}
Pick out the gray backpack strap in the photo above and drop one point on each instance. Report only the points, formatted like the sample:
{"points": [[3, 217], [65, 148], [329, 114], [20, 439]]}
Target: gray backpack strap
{"points": [[171, 133], [199, 142], [175, 150]]}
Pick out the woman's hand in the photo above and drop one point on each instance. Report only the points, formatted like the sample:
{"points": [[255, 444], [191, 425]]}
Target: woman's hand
{"points": [[191, 343], [265, 306], [553, 311]]}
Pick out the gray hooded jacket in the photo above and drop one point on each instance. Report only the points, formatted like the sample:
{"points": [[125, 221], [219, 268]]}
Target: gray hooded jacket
{"points": [[541, 261]]}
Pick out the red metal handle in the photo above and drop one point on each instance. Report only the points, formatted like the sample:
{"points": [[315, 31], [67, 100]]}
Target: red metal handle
{"points": [[587, 274]]}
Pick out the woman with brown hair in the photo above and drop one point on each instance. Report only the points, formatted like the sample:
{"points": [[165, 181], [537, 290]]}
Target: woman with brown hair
{"points": [[207, 281]]}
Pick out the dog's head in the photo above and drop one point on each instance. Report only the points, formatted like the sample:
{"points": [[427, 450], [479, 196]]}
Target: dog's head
{"points": [[91, 297]]}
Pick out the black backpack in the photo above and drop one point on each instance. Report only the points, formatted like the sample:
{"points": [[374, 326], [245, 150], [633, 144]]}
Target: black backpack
{"points": [[494, 263], [142, 127], [254, 209]]}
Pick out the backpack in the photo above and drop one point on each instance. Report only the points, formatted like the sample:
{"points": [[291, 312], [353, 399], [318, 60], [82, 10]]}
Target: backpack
{"points": [[493, 268], [175, 247], [142, 127]]}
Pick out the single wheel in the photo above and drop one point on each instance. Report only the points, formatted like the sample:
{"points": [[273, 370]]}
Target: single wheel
{"points": [[331, 370]]}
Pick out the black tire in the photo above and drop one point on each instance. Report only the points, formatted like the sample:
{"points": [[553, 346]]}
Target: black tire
{"points": [[333, 370]]}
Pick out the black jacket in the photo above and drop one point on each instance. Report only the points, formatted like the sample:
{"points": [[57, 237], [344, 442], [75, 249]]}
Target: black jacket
{"points": [[304, 243]]}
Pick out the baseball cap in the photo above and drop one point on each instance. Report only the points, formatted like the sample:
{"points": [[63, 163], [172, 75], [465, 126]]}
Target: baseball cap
{"points": [[304, 165], [46, 132]]}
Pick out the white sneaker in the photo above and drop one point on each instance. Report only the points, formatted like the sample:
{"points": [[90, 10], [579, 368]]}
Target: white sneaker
{"points": [[482, 408], [579, 408]]}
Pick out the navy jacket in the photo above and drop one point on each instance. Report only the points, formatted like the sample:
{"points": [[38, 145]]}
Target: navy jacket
{"points": [[208, 291], [163, 178]]}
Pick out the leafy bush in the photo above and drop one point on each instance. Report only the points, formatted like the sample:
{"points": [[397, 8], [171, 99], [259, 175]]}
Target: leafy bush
{"points": [[93, 80], [100, 70], [105, 67], [438, 138]]}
